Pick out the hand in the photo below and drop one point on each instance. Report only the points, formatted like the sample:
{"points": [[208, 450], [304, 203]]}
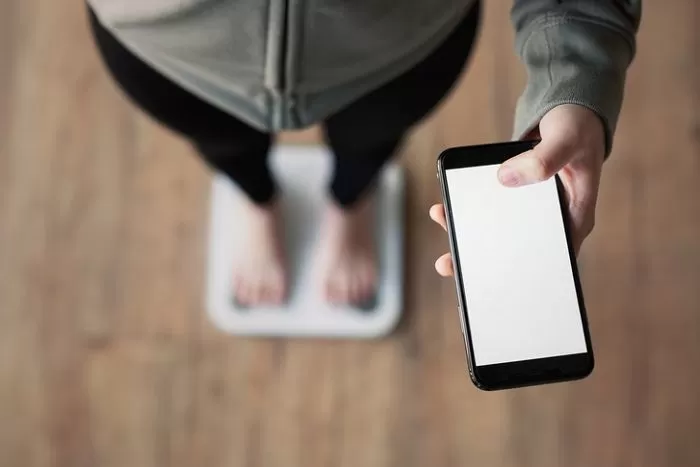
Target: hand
{"points": [[572, 145]]}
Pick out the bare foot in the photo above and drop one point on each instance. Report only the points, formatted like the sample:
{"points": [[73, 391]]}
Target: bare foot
{"points": [[259, 276], [347, 253]]}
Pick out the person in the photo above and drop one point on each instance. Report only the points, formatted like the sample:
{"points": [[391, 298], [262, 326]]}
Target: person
{"points": [[229, 74]]}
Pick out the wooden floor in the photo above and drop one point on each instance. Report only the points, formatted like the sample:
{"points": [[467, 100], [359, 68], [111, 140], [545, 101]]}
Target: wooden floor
{"points": [[107, 357]]}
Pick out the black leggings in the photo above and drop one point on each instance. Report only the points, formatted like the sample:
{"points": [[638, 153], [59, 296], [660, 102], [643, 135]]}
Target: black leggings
{"points": [[363, 136]]}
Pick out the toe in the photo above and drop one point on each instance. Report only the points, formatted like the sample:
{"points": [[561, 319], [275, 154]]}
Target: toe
{"points": [[355, 289], [369, 277], [330, 291], [272, 292], [372, 280], [266, 294], [242, 293], [269, 295], [341, 287], [279, 287], [364, 289], [254, 291], [335, 294], [236, 287], [345, 289]]}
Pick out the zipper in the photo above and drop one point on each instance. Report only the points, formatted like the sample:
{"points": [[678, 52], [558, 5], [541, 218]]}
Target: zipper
{"points": [[276, 75], [284, 44], [279, 74], [275, 81]]}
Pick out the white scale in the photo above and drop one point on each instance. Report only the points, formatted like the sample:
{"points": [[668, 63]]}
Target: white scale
{"points": [[302, 173]]}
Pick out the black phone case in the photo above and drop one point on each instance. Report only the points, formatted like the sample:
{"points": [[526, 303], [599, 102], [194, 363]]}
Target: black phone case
{"points": [[497, 153]]}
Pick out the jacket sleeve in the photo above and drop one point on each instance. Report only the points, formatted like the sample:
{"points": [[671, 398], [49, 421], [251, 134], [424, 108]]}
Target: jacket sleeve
{"points": [[575, 52]]}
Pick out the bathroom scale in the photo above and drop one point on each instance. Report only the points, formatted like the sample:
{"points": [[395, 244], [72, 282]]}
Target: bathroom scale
{"points": [[302, 174]]}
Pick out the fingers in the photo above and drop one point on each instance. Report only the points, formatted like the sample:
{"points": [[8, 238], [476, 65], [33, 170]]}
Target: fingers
{"points": [[437, 213], [569, 132], [581, 190], [443, 265], [536, 165]]}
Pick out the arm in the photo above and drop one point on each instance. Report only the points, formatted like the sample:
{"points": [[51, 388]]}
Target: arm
{"points": [[575, 52]]}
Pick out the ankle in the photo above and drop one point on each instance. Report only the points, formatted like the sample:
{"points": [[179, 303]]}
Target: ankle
{"points": [[355, 208], [262, 210]]}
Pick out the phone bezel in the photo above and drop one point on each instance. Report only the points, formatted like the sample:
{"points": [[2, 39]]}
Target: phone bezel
{"points": [[525, 372]]}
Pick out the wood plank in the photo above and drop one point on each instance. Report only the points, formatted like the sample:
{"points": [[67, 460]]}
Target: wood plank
{"points": [[109, 360], [23, 207], [139, 404]]}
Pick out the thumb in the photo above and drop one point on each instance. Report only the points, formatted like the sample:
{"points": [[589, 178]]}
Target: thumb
{"points": [[536, 165]]}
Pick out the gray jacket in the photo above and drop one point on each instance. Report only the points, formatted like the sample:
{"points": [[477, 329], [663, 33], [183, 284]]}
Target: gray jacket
{"points": [[286, 64]]}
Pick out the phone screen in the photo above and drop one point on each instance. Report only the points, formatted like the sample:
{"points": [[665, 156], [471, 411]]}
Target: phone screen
{"points": [[519, 288]]}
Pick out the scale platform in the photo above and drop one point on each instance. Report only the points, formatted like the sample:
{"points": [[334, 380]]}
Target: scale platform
{"points": [[302, 173]]}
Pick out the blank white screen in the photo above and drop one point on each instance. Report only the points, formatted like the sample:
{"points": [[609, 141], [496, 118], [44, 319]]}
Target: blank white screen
{"points": [[520, 293]]}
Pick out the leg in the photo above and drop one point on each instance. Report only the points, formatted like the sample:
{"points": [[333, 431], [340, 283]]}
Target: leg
{"points": [[364, 136], [225, 143]]}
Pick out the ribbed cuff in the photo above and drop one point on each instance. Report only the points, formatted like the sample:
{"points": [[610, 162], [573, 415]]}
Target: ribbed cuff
{"points": [[572, 61]]}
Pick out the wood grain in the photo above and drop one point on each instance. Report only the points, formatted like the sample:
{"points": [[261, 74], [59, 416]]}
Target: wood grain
{"points": [[107, 358]]}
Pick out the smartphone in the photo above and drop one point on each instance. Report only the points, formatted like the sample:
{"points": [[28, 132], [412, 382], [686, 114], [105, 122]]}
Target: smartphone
{"points": [[519, 296]]}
